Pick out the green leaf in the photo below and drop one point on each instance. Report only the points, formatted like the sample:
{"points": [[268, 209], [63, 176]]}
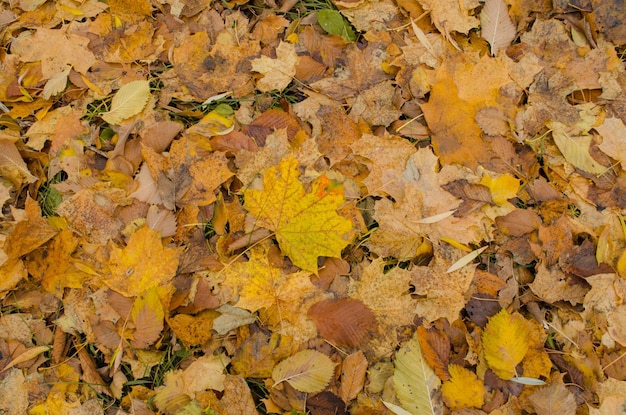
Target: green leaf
{"points": [[129, 100], [417, 386], [334, 23], [307, 371]]}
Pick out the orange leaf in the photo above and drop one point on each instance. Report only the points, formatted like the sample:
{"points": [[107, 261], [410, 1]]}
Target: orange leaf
{"points": [[436, 350], [353, 373], [147, 314]]}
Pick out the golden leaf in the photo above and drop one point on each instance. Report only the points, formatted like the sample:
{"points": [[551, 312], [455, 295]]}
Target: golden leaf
{"points": [[129, 100], [575, 149], [307, 225], [307, 371], [144, 263], [463, 390], [505, 342]]}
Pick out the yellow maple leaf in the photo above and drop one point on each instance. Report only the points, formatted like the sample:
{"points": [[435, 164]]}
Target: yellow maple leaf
{"points": [[505, 342], [463, 390], [261, 286], [307, 225], [144, 263]]}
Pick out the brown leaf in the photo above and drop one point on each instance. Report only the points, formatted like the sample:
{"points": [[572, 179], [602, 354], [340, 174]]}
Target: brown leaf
{"points": [[326, 403], [519, 222], [345, 322], [270, 121]]}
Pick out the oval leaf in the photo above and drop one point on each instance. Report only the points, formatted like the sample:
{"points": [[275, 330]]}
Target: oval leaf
{"points": [[129, 100], [505, 343], [307, 371], [334, 24]]}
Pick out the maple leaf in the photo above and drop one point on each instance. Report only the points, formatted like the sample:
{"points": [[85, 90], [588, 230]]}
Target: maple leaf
{"points": [[277, 73], [284, 297], [144, 263], [307, 225]]}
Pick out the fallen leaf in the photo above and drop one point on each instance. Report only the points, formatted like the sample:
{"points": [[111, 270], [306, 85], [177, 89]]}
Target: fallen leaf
{"points": [[277, 73], [12, 165], [463, 390], [344, 322], [416, 385], [575, 149], [129, 100], [505, 342], [307, 225], [353, 371], [496, 25], [307, 371], [142, 264], [147, 315]]}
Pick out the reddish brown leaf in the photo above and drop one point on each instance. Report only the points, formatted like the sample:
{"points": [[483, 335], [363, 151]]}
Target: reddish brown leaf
{"points": [[326, 403], [436, 350], [270, 121], [344, 322]]}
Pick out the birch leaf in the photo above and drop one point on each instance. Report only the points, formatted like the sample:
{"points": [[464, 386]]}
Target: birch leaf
{"points": [[505, 342], [417, 386], [496, 25], [575, 149], [307, 371], [129, 100]]}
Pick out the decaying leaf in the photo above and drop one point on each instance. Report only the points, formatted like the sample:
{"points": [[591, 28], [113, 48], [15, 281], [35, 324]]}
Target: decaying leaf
{"points": [[307, 371], [353, 373], [129, 100], [12, 166]]}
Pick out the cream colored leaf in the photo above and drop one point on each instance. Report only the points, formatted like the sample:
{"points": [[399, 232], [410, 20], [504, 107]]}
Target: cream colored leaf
{"points": [[277, 73], [466, 259], [416, 385], [307, 371], [56, 84], [12, 166], [398, 410], [129, 100], [575, 149], [496, 25]]}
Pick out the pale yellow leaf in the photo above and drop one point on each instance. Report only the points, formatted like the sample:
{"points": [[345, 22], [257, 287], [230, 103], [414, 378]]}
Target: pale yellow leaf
{"points": [[129, 100], [277, 73], [496, 25], [575, 149], [307, 371], [466, 259], [417, 387], [56, 84]]}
